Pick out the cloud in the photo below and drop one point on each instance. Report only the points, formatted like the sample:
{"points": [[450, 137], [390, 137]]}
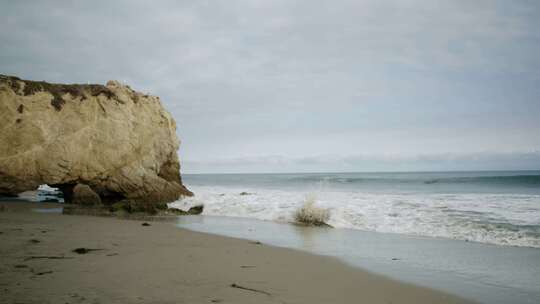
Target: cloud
{"points": [[298, 78]]}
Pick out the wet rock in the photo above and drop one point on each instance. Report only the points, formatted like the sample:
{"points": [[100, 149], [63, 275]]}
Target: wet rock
{"points": [[195, 210]]}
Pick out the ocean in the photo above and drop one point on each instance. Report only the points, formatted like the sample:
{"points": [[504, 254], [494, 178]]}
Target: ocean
{"points": [[495, 207], [473, 234]]}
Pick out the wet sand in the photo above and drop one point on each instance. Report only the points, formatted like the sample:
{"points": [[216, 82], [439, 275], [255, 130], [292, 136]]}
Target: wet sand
{"points": [[160, 263]]}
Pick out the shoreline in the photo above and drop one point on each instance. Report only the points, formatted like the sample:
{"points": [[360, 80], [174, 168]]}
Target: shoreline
{"points": [[475, 271], [161, 263]]}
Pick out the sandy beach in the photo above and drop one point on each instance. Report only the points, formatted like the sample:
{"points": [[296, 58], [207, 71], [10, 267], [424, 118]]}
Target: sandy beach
{"points": [[160, 263]]}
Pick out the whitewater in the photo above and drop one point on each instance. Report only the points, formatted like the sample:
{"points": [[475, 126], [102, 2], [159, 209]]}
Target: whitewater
{"points": [[501, 208]]}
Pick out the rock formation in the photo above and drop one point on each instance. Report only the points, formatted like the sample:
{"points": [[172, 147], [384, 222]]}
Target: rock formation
{"points": [[84, 195], [121, 143]]}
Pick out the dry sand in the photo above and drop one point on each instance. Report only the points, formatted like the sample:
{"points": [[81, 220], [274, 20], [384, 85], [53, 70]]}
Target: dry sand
{"points": [[164, 264]]}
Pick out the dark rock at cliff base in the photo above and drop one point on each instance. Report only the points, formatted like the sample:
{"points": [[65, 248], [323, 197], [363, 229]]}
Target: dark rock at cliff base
{"points": [[195, 210], [83, 195], [120, 143]]}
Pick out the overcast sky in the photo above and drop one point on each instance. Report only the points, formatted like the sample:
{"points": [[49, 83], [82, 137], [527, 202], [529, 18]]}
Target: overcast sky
{"points": [[273, 86]]}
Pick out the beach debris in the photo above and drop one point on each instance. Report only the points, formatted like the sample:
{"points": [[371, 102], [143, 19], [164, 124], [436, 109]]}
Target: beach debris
{"points": [[83, 250], [255, 242], [246, 193], [47, 257], [396, 259], [145, 224], [44, 272], [112, 254], [21, 266], [216, 300], [311, 215], [34, 241], [77, 297], [234, 285], [247, 266]]}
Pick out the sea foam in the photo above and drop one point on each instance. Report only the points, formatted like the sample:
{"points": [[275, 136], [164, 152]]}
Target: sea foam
{"points": [[501, 219]]}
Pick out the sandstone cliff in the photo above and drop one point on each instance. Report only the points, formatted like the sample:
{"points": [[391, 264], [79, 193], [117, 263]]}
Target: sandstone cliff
{"points": [[119, 142]]}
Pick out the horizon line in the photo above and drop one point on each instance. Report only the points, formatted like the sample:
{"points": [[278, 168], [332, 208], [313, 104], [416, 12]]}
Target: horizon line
{"points": [[349, 172]]}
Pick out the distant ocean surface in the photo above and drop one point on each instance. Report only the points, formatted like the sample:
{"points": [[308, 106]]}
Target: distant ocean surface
{"points": [[501, 208]]}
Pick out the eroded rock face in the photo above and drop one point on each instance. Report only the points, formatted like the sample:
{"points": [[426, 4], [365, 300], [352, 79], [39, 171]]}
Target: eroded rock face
{"points": [[119, 142]]}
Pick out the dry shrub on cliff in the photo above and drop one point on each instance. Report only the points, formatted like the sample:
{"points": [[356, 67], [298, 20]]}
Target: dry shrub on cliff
{"points": [[311, 215]]}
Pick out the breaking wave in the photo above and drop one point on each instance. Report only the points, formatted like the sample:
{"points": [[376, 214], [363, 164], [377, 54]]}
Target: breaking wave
{"points": [[501, 219]]}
